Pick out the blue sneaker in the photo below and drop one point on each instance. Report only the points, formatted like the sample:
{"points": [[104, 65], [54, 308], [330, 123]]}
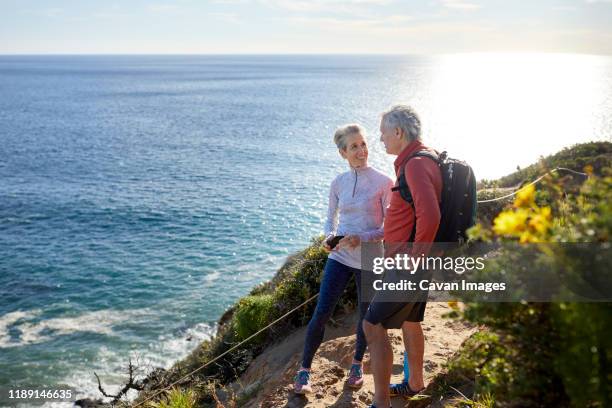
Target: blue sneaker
{"points": [[302, 382], [402, 390]]}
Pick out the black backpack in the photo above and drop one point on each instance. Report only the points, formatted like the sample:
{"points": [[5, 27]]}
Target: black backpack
{"points": [[458, 204]]}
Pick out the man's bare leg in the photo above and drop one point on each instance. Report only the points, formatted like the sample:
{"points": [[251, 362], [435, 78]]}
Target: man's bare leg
{"points": [[414, 342], [381, 362]]}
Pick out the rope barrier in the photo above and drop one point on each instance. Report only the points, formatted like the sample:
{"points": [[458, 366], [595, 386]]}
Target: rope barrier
{"points": [[316, 295], [533, 182], [225, 352]]}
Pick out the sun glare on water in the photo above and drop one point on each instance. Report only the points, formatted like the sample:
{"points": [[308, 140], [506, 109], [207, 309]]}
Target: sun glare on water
{"points": [[502, 110]]}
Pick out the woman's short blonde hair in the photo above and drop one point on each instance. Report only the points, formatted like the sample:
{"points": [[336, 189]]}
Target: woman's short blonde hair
{"points": [[343, 131]]}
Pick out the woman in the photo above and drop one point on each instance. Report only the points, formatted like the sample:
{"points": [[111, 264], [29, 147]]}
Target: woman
{"points": [[358, 200]]}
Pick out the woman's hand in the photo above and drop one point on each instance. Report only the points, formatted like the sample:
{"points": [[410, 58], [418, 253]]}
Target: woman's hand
{"points": [[349, 241], [325, 245]]}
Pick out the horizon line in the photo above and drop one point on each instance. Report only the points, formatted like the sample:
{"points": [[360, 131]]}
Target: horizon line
{"points": [[50, 54]]}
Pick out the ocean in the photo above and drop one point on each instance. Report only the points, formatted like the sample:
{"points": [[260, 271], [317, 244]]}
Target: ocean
{"points": [[140, 196]]}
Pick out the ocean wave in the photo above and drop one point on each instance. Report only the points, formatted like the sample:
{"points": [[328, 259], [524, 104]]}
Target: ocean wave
{"points": [[21, 328], [10, 319], [111, 364], [31, 330], [170, 348]]}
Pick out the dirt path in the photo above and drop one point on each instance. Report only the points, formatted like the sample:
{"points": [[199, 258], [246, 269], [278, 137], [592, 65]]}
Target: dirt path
{"points": [[268, 381]]}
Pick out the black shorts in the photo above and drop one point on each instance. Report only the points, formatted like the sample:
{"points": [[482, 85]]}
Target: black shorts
{"points": [[392, 308], [391, 315]]}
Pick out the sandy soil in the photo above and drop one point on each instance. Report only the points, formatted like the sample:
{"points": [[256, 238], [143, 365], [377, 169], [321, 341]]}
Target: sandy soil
{"points": [[268, 381]]}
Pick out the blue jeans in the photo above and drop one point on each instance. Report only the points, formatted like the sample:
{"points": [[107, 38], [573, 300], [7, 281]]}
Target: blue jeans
{"points": [[335, 278]]}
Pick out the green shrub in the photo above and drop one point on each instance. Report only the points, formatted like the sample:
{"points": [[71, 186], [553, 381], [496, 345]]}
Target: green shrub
{"points": [[484, 359], [584, 356], [551, 354], [253, 313], [176, 398], [596, 154]]}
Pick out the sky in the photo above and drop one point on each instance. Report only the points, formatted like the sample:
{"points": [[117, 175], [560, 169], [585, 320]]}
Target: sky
{"points": [[304, 26]]}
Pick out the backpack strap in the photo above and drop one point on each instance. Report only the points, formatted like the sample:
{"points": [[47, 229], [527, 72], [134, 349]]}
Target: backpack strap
{"points": [[402, 184]]}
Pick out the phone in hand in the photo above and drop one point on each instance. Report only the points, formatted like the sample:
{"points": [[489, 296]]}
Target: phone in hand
{"points": [[332, 242]]}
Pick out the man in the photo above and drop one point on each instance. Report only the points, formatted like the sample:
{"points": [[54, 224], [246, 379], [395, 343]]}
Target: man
{"points": [[400, 129]]}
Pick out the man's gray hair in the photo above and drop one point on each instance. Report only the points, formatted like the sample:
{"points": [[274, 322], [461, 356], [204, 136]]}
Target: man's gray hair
{"points": [[343, 131], [405, 118]]}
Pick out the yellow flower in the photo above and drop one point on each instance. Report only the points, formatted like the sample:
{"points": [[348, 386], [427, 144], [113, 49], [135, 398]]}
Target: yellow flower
{"points": [[540, 221], [527, 236], [525, 197], [479, 232], [510, 222]]}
